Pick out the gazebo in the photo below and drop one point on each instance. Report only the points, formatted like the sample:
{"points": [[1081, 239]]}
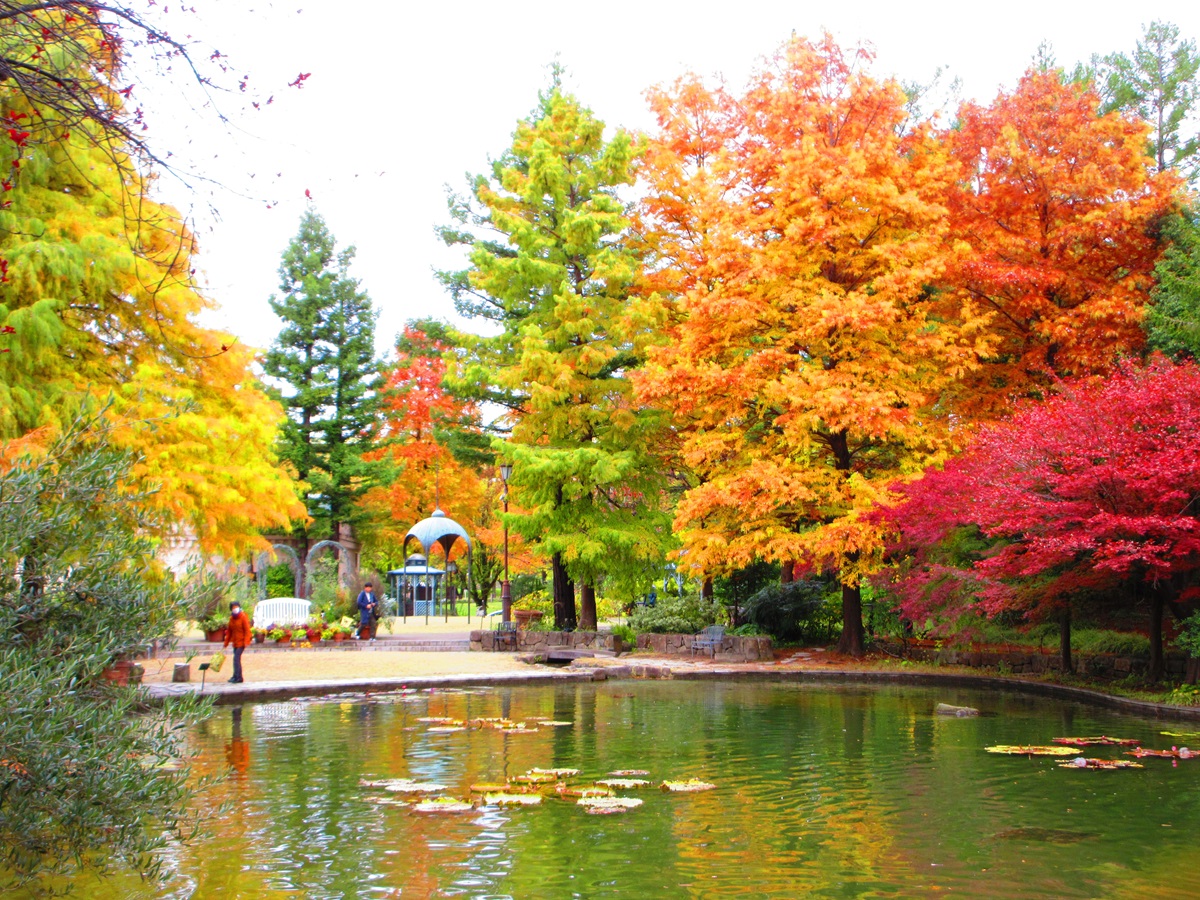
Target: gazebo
{"points": [[415, 587]]}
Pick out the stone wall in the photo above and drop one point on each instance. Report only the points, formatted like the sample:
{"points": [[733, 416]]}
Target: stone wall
{"points": [[733, 649], [1034, 662], [539, 641]]}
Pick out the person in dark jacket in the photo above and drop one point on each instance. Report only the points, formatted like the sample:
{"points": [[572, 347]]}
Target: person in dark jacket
{"points": [[367, 606], [237, 633]]}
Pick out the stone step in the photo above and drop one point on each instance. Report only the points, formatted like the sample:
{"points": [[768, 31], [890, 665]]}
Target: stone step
{"points": [[206, 648]]}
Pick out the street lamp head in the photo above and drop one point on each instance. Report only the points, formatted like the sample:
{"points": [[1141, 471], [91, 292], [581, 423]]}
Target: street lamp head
{"points": [[505, 471]]}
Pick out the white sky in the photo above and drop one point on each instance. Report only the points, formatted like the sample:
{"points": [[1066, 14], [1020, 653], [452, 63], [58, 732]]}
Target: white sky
{"points": [[406, 98]]}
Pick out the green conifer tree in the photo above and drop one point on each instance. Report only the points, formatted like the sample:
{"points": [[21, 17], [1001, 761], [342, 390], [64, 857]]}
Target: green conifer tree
{"points": [[324, 366], [555, 274]]}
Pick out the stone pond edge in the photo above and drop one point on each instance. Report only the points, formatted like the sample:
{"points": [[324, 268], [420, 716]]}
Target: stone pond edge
{"points": [[227, 694]]}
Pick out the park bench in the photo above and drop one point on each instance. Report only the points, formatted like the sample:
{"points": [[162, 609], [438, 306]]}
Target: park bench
{"points": [[282, 611], [710, 639]]}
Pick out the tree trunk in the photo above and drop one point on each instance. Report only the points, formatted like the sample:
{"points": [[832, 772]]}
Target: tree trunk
{"points": [[787, 572], [587, 608], [1155, 674], [564, 595], [706, 590], [1064, 639], [851, 642]]}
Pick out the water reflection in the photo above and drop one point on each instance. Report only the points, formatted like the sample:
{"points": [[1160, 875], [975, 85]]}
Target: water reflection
{"points": [[828, 792]]}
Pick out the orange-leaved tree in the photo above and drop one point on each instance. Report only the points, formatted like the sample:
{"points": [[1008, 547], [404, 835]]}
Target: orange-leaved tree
{"points": [[806, 362], [1060, 207]]}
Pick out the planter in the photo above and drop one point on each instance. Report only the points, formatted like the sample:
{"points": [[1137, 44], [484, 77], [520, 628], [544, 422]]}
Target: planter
{"points": [[525, 617], [340, 636], [123, 672], [259, 638], [181, 673], [217, 636]]}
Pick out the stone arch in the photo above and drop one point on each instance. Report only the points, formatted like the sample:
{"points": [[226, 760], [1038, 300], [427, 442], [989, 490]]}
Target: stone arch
{"points": [[264, 559], [346, 575]]}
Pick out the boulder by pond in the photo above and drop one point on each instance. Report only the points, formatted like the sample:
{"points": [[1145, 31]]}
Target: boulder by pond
{"points": [[945, 709]]}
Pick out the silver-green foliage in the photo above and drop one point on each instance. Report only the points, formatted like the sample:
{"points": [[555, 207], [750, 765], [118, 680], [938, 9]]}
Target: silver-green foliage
{"points": [[89, 777]]}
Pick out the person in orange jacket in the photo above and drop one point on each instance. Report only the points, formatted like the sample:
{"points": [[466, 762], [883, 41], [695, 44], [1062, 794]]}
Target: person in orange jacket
{"points": [[237, 633]]}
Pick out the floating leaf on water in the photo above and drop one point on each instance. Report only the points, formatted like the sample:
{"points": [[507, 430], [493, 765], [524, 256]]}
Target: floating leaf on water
{"points": [[1031, 750], [592, 790], [512, 799], [490, 787], [605, 810], [555, 773], [628, 773], [623, 784], [443, 804], [1099, 741], [534, 778], [1088, 763], [552, 723], [404, 785], [609, 802], [1187, 734], [440, 720], [691, 786], [445, 729], [386, 801], [1173, 753], [518, 729]]}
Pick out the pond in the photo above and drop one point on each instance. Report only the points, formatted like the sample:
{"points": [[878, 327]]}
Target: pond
{"points": [[820, 791]]}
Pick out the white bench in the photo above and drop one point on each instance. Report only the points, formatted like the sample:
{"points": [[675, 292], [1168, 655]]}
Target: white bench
{"points": [[282, 611]]}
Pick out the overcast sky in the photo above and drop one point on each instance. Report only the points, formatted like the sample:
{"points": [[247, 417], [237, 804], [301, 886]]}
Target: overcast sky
{"points": [[404, 99]]}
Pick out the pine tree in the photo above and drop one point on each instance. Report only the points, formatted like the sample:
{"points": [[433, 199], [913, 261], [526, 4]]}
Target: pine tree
{"points": [[555, 274], [324, 365]]}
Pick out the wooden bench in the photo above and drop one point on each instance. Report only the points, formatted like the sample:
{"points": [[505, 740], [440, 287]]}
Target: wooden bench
{"points": [[282, 611], [709, 639]]}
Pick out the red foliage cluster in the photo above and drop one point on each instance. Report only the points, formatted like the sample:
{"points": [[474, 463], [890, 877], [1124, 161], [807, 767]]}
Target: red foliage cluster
{"points": [[1095, 487]]}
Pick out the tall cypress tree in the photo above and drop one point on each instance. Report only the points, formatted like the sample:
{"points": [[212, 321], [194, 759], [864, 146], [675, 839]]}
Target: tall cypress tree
{"points": [[554, 269], [324, 366]]}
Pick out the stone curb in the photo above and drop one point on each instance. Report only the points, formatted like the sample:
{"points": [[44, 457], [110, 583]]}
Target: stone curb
{"points": [[224, 693]]}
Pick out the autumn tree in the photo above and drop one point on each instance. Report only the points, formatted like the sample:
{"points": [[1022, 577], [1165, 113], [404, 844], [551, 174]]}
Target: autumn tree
{"points": [[98, 294], [551, 266], [807, 358], [1096, 489], [326, 376], [1059, 207], [421, 423]]}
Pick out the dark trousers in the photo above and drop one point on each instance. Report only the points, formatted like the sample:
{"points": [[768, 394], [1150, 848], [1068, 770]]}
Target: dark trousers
{"points": [[237, 663]]}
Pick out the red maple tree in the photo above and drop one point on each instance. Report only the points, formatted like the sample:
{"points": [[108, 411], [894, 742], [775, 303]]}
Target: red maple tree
{"points": [[1095, 489]]}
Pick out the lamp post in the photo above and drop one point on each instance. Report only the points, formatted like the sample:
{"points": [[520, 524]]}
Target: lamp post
{"points": [[505, 587]]}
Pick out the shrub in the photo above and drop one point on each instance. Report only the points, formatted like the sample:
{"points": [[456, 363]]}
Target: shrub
{"points": [[674, 615], [799, 611], [625, 634], [1121, 643]]}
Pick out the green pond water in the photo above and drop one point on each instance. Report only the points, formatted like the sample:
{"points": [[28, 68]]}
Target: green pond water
{"points": [[821, 791]]}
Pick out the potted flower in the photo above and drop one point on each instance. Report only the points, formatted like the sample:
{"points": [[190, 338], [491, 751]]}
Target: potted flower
{"points": [[213, 627], [313, 633], [340, 632], [278, 635], [327, 633], [260, 635]]}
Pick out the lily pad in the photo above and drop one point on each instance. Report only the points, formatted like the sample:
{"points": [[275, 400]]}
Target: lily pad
{"points": [[512, 799], [554, 773], [605, 810], [628, 773], [590, 790], [404, 785], [1030, 750], [440, 720], [623, 784], [445, 729], [491, 787], [1099, 741], [534, 778], [691, 786], [1173, 753], [518, 729], [1087, 763], [443, 804], [553, 723], [609, 802]]}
